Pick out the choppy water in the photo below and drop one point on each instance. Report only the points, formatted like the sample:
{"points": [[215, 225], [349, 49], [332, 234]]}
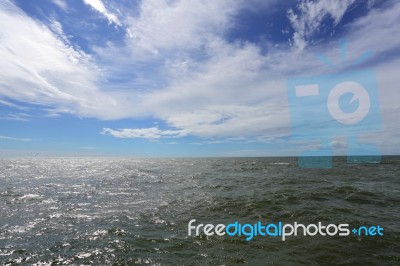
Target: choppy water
{"points": [[127, 211]]}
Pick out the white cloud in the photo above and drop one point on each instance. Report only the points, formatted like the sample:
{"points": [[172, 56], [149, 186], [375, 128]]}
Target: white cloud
{"points": [[311, 15], [231, 121], [147, 133], [338, 144], [38, 67], [179, 25], [373, 33], [99, 7], [15, 139], [238, 92], [16, 116], [61, 4], [13, 105], [180, 69], [57, 28]]}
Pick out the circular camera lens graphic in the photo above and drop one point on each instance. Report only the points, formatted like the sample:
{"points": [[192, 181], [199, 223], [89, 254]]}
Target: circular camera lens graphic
{"points": [[359, 93]]}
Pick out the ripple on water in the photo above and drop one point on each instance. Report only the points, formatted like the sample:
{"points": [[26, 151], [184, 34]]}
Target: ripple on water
{"points": [[125, 211]]}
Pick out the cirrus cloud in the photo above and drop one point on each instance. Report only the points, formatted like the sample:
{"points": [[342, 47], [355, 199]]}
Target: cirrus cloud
{"points": [[177, 64]]}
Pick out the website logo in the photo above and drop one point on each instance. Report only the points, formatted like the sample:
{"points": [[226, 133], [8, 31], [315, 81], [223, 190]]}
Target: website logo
{"points": [[341, 104], [280, 229]]}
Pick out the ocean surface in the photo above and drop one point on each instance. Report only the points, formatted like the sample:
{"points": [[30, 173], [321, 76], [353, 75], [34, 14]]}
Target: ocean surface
{"points": [[113, 211]]}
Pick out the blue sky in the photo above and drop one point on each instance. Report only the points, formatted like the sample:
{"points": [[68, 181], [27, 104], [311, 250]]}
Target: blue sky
{"points": [[184, 78]]}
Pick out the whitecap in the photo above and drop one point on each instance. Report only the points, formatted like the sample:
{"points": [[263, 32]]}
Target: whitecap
{"points": [[30, 196]]}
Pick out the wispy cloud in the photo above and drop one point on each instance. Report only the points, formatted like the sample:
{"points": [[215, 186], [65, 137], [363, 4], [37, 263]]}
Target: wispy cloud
{"points": [[167, 26], [16, 116], [147, 133], [13, 105], [177, 65], [310, 16], [99, 7], [13, 138], [46, 70], [61, 4]]}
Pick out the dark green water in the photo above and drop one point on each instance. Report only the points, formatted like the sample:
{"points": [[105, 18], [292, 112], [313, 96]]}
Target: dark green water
{"points": [[136, 211]]}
